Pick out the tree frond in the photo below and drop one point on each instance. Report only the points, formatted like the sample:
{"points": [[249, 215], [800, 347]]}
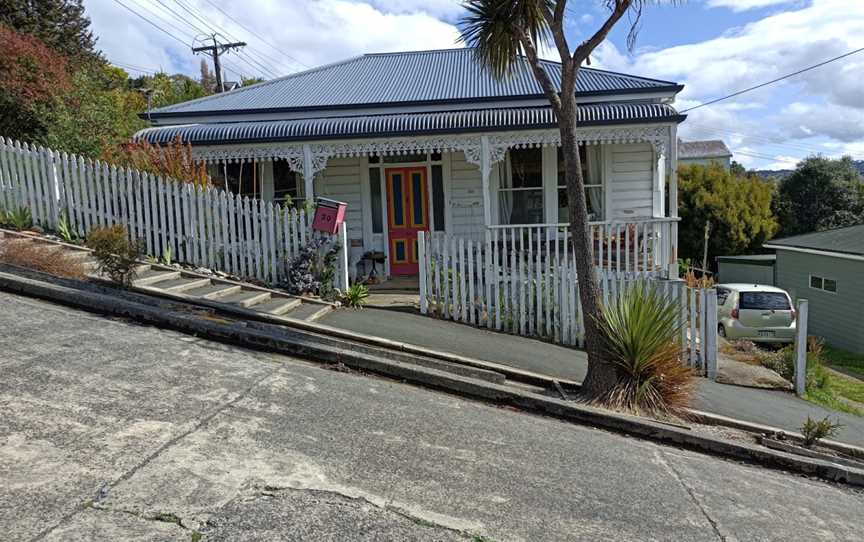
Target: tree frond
{"points": [[493, 28]]}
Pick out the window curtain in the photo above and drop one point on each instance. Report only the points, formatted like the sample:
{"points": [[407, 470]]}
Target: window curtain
{"points": [[595, 168], [505, 198]]}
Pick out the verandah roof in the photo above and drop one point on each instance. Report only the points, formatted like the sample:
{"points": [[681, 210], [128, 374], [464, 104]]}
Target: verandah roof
{"points": [[497, 119]]}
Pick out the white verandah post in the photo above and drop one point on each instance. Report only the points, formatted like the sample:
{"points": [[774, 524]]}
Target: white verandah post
{"points": [[308, 174], [485, 170]]}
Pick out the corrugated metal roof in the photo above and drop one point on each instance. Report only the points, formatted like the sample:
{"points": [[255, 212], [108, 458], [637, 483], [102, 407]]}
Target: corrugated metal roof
{"points": [[849, 240], [712, 148], [405, 124], [399, 78]]}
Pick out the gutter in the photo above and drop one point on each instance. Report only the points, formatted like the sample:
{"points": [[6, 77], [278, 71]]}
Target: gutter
{"points": [[829, 253]]}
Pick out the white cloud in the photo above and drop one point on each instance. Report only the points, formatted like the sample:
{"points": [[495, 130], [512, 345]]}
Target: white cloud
{"points": [[826, 103], [744, 5]]}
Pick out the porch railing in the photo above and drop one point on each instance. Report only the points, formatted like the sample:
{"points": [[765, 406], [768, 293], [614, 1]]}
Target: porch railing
{"points": [[624, 248]]}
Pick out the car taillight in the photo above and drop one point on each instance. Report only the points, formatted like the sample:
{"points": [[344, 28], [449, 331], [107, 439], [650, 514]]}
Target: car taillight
{"points": [[735, 313], [794, 315]]}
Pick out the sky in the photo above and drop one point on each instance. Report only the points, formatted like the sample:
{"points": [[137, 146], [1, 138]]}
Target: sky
{"points": [[713, 47]]}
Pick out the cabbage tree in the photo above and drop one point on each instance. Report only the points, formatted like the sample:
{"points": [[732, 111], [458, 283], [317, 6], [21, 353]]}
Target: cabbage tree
{"points": [[502, 31]]}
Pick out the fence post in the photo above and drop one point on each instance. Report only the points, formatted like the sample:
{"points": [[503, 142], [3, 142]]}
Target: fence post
{"points": [[710, 337], [801, 349], [421, 257], [343, 256]]}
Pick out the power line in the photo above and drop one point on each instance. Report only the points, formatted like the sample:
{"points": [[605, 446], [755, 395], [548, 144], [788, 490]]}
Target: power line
{"points": [[196, 28], [148, 21], [193, 10], [213, 28], [765, 84], [247, 29]]}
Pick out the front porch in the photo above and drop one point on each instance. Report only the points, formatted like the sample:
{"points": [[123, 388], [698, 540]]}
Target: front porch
{"points": [[507, 185]]}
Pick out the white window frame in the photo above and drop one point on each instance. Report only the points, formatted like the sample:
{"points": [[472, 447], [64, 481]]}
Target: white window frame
{"points": [[822, 280], [543, 188]]}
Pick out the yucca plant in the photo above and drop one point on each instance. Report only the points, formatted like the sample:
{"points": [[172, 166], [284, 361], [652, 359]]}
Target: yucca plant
{"points": [[19, 219], [640, 330], [65, 230], [356, 296]]}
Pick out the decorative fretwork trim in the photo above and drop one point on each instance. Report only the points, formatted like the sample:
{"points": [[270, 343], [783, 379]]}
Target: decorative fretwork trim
{"points": [[470, 145]]}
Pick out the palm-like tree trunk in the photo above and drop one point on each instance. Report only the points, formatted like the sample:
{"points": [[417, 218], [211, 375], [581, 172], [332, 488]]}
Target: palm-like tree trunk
{"points": [[601, 375]]}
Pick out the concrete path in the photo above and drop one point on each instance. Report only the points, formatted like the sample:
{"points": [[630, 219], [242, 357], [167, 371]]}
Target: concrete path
{"points": [[775, 408], [115, 431]]}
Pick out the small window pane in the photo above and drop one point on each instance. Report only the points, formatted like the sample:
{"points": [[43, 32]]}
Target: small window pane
{"points": [[438, 198], [402, 158], [374, 159], [524, 206], [286, 188], [375, 192], [593, 202], [527, 167], [435, 156], [815, 282], [830, 285]]}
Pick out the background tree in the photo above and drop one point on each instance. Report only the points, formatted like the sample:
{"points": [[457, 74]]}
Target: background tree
{"points": [[738, 207], [60, 24], [208, 78], [32, 76], [820, 194], [501, 31]]}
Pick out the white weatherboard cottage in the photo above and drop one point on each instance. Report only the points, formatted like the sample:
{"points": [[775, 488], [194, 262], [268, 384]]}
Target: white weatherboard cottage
{"points": [[430, 141]]}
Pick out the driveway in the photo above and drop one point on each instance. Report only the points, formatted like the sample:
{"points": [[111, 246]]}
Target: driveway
{"points": [[114, 431], [774, 408]]}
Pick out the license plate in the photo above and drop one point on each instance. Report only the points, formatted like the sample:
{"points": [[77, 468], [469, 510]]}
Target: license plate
{"points": [[766, 333]]}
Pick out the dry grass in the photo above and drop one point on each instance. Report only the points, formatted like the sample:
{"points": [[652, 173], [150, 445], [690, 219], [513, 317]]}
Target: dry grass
{"points": [[742, 350], [705, 281], [31, 255]]}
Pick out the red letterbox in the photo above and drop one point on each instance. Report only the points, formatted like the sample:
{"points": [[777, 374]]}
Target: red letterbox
{"points": [[329, 215]]}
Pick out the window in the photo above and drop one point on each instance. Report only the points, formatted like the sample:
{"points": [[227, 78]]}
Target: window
{"points": [[438, 197], [375, 193], [821, 283], [241, 179], [594, 196], [722, 295], [287, 188], [520, 187], [776, 301]]}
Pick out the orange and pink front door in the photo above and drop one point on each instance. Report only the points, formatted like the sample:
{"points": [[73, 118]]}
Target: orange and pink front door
{"points": [[408, 213]]}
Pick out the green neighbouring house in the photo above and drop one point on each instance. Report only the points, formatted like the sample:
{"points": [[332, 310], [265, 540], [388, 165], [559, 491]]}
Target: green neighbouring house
{"points": [[749, 269], [827, 269]]}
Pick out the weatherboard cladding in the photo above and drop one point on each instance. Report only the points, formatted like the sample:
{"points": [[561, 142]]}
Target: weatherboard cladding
{"points": [[393, 78], [405, 124]]}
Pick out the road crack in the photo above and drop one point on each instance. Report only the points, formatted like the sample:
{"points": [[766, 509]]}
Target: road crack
{"points": [[661, 456], [386, 506], [106, 488]]}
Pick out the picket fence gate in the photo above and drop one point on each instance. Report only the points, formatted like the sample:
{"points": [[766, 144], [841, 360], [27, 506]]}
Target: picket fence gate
{"points": [[535, 293], [202, 226]]}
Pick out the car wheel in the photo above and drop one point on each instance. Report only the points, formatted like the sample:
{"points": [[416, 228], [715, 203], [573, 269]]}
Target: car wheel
{"points": [[721, 330]]}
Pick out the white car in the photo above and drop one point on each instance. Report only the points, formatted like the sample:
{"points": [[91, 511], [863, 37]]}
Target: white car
{"points": [[755, 312]]}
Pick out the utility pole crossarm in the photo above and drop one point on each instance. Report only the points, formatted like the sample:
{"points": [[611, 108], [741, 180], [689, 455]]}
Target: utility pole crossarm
{"points": [[215, 51]]}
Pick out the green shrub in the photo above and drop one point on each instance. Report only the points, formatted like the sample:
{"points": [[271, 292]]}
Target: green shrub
{"points": [[64, 229], [356, 296], [116, 254], [814, 430], [20, 219], [641, 331]]}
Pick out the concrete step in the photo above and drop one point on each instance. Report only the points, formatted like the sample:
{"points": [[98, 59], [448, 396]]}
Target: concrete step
{"points": [[246, 298], [309, 311], [278, 305], [181, 284], [215, 290], [152, 276]]}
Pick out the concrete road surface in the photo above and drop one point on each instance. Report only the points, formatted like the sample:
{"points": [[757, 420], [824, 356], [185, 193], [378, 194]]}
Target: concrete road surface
{"points": [[114, 431]]}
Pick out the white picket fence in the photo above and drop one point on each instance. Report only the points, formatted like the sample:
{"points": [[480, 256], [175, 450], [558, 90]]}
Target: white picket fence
{"points": [[535, 293], [203, 226]]}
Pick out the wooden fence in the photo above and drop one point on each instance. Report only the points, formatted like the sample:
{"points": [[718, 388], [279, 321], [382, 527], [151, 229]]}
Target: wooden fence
{"points": [[203, 226], [535, 293]]}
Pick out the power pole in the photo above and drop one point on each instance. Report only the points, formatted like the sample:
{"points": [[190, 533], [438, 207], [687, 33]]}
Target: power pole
{"points": [[215, 51]]}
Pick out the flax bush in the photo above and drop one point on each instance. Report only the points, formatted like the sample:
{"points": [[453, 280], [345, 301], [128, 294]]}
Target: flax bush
{"points": [[641, 331]]}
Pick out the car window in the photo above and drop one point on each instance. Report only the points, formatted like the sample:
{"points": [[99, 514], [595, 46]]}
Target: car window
{"points": [[764, 301], [722, 295]]}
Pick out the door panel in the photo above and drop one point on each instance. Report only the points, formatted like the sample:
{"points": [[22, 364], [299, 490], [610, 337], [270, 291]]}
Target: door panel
{"points": [[407, 203]]}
